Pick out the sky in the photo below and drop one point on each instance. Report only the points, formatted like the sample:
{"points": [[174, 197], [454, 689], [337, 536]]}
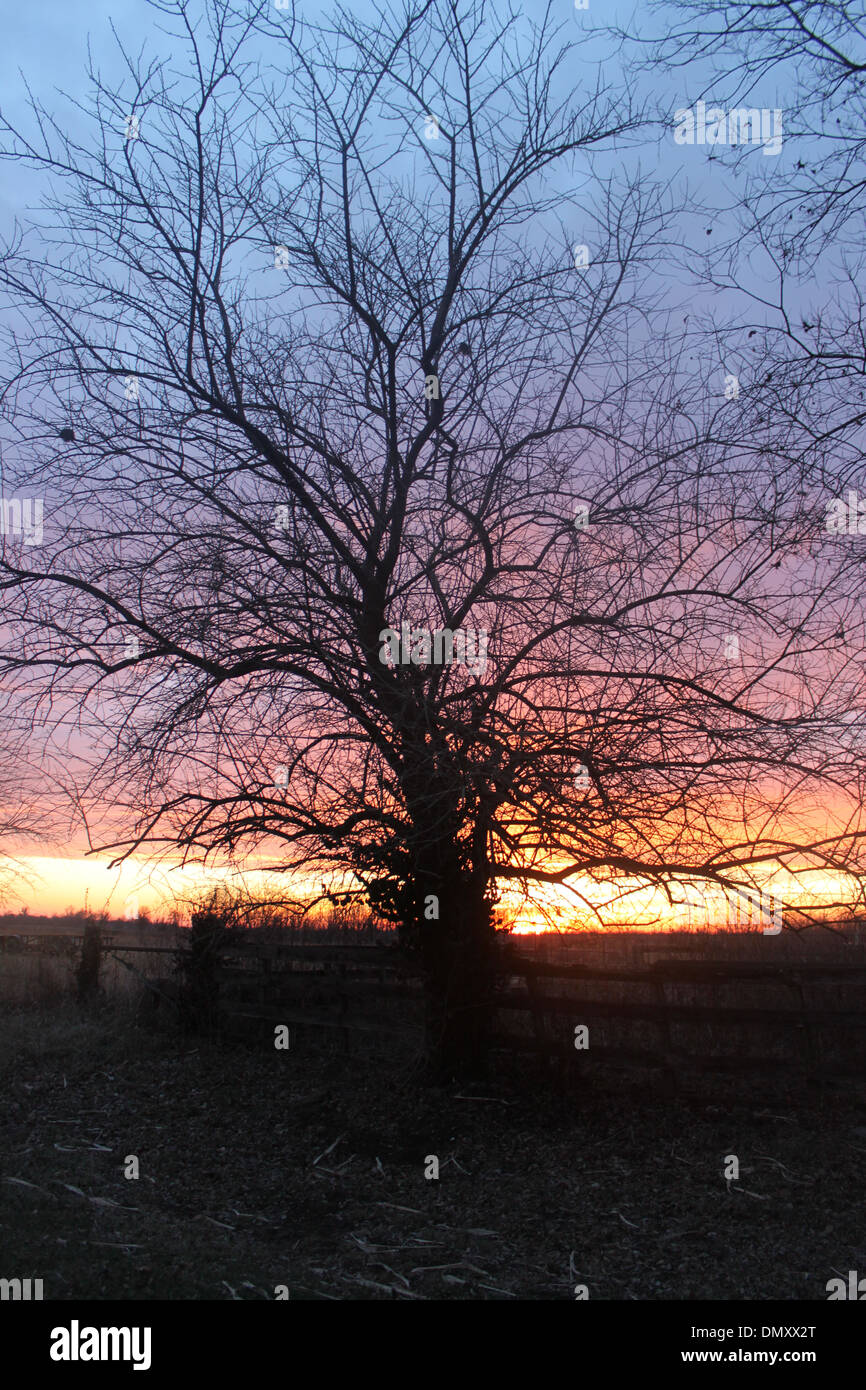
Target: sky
{"points": [[48, 47]]}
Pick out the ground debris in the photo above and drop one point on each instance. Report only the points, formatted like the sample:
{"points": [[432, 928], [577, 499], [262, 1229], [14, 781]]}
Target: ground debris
{"points": [[524, 1210]]}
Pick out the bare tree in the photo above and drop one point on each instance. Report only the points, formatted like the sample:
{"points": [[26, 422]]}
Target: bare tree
{"points": [[822, 40], [389, 533], [796, 246], [788, 256], [26, 822]]}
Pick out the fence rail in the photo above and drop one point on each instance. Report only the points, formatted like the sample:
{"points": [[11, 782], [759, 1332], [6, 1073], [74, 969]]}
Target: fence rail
{"points": [[343, 988], [372, 989]]}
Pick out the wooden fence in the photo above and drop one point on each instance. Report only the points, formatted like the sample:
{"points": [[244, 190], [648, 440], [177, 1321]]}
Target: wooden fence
{"points": [[713, 1015], [706, 1014], [49, 944]]}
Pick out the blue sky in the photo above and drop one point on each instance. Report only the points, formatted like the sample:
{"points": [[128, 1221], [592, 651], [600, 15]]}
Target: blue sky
{"points": [[48, 46]]}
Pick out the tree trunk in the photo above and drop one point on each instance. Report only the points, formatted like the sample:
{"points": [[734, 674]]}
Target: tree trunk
{"points": [[458, 958]]}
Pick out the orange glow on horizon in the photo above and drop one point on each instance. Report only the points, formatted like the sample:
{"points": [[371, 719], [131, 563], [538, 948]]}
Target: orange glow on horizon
{"points": [[51, 885]]}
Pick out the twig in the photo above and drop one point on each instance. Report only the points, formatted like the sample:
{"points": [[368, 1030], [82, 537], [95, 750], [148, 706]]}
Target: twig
{"points": [[494, 1100], [380, 1264], [388, 1288], [469, 1230], [803, 1182], [22, 1182], [118, 1244], [326, 1151]]}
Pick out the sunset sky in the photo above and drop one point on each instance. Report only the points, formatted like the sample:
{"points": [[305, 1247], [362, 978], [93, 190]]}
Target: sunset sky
{"points": [[49, 45], [51, 885]]}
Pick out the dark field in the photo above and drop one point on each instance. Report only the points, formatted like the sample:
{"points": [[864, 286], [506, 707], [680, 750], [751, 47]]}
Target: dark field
{"points": [[261, 1168]]}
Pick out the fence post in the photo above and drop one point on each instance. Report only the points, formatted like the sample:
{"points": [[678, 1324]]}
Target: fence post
{"points": [[88, 966], [207, 931]]}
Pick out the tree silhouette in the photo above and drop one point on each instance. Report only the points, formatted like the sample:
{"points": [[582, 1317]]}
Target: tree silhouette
{"points": [[358, 344]]}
